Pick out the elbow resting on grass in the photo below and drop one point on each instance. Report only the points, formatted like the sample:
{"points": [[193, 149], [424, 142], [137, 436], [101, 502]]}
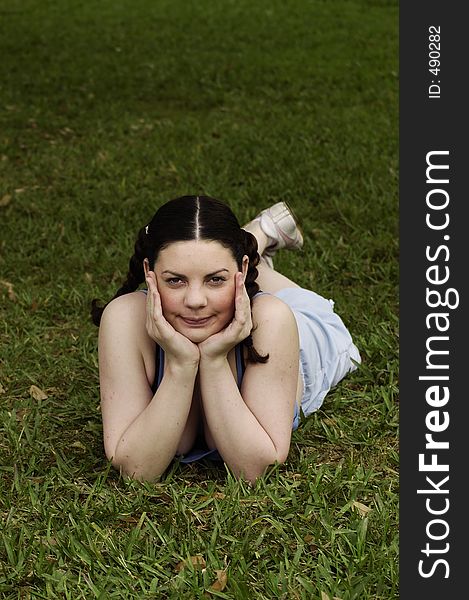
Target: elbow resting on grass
{"points": [[131, 468]]}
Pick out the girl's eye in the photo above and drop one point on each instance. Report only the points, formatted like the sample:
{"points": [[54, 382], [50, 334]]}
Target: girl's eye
{"points": [[174, 281], [217, 280]]}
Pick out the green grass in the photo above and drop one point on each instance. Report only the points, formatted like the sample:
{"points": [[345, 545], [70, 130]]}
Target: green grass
{"points": [[108, 109]]}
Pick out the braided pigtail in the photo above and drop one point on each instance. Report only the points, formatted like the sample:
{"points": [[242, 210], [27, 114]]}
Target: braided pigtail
{"points": [[135, 275], [252, 287]]}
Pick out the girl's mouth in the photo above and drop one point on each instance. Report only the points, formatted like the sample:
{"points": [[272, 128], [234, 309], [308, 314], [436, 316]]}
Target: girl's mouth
{"points": [[196, 322]]}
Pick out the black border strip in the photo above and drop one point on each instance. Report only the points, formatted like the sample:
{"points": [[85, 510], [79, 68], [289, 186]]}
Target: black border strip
{"points": [[433, 300]]}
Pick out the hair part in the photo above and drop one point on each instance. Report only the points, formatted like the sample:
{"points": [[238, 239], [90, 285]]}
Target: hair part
{"points": [[189, 218]]}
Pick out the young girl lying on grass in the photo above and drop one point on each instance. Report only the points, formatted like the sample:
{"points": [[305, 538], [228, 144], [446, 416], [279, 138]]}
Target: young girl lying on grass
{"points": [[216, 357]]}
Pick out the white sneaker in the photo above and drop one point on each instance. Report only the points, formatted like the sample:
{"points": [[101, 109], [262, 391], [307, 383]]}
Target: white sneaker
{"points": [[279, 224]]}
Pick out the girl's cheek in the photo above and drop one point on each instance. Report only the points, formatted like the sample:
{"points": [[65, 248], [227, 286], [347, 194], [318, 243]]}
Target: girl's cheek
{"points": [[229, 298]]}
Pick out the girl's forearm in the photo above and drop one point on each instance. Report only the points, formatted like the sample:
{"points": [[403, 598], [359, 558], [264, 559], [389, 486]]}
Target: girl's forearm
{"points": [[241, 440], [149, 444]]}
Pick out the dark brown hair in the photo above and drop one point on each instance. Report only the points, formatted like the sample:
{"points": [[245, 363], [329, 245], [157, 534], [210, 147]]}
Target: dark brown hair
{"points": [[184, 219]]}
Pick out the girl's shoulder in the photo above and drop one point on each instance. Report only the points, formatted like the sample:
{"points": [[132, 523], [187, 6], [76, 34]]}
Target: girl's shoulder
{"points": [[126, 304], [123, 312], [270, 311], [267, 301], [123, 337], [275, 333]]}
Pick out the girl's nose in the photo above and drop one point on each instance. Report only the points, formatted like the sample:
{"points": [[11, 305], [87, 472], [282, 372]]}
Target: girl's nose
{"points": [[195, 297]]}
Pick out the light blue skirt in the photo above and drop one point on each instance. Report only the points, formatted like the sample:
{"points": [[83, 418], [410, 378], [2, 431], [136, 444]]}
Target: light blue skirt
{"points": [[327, 352]]}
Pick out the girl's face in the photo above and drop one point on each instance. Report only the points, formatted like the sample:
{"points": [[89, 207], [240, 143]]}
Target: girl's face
{"points": [[196, 282]]}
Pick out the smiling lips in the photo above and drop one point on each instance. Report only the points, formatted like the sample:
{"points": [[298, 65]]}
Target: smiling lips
{"points": [[196, 322]]}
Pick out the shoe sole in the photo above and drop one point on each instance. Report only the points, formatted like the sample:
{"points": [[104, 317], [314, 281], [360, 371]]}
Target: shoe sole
{"points": [[295, 218], [270, 252]]}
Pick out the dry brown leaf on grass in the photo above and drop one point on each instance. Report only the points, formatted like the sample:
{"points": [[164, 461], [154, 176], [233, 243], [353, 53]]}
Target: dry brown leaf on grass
{"points": [[5, 200], [37, 393], [362, 509], [220, 582], [309, 539], [52, 541], [2, 389], [22, 413], [325, 596], [11, 294], [197, 561], [216, 495]]}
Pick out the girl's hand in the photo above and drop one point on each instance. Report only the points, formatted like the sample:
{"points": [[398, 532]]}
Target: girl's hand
{"points": [[175, 345], [219, 344]]}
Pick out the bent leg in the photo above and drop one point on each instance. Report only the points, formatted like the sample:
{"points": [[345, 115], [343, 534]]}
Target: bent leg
{"points": [[272, 281], [268, 279]]}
